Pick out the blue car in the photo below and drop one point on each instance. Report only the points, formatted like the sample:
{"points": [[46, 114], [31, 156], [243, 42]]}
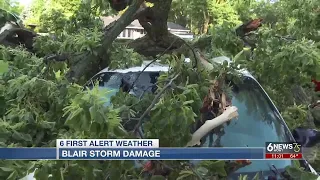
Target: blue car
{"points": [[259, 120]]}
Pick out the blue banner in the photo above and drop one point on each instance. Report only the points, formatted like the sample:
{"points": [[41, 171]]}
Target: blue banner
{"points": [[162, 153], [132, 153], [28, 153]]}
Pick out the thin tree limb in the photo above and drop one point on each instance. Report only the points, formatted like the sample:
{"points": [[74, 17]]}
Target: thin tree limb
{"points": [[154, 60], [154, 101]]}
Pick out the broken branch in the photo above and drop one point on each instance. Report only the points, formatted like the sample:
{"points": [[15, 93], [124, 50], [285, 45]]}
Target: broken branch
{"points": [[230, 113]]}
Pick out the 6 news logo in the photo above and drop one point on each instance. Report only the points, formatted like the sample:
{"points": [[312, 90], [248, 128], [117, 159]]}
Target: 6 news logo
{"points": [[281, 147]]}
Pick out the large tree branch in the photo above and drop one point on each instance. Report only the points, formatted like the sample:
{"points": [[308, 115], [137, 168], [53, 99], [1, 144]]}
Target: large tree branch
{"points": [[157, 40], [144, 19], [160, 12], [125, 20], [154, 21], [24, 36], [84, 66]]}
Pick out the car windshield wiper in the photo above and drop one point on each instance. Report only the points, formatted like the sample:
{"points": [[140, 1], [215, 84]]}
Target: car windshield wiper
{"points": [[277, 173]]}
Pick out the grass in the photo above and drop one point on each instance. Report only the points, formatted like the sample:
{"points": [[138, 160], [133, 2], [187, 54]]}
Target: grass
{"points": [[3, 67]]}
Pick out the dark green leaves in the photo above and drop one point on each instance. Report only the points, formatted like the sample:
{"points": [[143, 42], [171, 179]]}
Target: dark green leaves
{"points": [[297, 173], [175, 116], [88, 112], [157, 177], [21, 137], [215, 167]]}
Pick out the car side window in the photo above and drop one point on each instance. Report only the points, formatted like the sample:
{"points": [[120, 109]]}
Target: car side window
{"points": [[146, 83], [113, 81], [107, 79]]}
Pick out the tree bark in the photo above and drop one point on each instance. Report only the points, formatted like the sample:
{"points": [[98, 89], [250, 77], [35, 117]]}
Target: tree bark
{"points": [[82, 66], [206, 20], [158, 38], [24, 36], [148, 47]]}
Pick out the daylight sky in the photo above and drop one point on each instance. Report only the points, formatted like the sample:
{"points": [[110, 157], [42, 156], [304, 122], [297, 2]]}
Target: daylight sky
{"points": [[25, 2]]}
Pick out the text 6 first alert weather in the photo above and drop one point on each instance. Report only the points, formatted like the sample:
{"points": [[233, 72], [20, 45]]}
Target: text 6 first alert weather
{"points": [[107, 148], [107, 143]]}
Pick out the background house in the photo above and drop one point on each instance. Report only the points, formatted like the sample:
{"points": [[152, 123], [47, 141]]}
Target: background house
{"points": [[135, 30]]}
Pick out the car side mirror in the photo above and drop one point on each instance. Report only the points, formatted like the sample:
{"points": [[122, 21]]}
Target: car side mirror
{"points": [[306, 137]]}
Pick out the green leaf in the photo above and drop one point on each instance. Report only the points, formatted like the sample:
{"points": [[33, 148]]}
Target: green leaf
{"points": [[309, 175], [93, 112], [238, 55], [41, 174], [256, 177], [188, 102], [215, 166], [183, 176], [157, 177], [115, 173], [296, 163], [6, 169], [293, 172], [12, 176], [243, 177], [203, 171], [32, 167], [20, 136]]}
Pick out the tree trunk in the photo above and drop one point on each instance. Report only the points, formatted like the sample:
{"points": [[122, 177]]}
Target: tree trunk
{"points": [[158, 39], [205, 23]]}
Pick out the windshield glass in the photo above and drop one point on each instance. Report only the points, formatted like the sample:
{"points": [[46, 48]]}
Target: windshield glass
{"points": [[114, 81], [258, 120]]}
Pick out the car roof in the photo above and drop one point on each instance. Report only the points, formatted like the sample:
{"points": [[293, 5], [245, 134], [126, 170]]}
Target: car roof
{"points": [[158, 67], [154, 67]]}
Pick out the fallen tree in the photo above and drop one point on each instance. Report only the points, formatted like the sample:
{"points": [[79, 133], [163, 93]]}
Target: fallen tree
{"points": [[43, 98], [41, 75], [13, 33]]}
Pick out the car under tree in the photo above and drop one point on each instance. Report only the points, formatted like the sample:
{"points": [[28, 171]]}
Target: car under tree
{"points": [[255, 108]]}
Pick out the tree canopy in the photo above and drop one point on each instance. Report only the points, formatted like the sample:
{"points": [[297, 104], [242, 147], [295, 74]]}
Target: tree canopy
{"points": [[43, 97], [11, 5]]}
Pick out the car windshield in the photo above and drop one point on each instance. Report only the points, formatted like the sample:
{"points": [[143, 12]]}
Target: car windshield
{"points": [[258, 120], [114, 81]]}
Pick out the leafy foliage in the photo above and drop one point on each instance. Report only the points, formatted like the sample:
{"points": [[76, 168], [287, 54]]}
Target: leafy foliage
{"points": [[53, 16], [209, 13], [11, 5], [39, 105]]}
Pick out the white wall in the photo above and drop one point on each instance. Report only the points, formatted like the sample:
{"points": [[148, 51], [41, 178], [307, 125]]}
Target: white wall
{"points": [[136, 33]]}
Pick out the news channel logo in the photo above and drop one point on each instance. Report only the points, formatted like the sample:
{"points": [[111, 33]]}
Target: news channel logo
{"points": [[283, 147]]}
